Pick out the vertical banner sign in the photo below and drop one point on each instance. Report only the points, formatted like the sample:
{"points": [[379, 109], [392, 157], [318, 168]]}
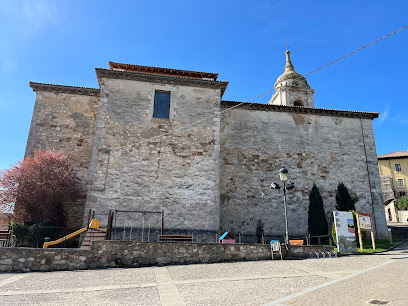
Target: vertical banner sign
{"points": [[345, 231], [364, 224]]}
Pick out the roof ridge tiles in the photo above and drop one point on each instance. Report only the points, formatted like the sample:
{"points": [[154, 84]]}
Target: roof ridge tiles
{"points": [[169, 70], [62, 85], [304, 109], [64, 88], [158, 75]]}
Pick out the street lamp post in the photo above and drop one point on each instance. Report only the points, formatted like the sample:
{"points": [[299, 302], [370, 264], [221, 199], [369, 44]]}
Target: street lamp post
{"points": [[283, 175]]}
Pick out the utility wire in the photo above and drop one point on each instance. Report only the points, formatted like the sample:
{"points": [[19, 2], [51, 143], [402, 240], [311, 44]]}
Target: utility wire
{"points": [[266, 92], [359, 49]]}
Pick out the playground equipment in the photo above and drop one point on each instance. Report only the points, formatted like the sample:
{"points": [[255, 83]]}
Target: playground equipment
{"points": [[149, 220], [227, 238], [94, 224]]}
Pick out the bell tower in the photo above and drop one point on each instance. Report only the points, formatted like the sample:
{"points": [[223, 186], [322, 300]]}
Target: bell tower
{"points": [[292, 88]]}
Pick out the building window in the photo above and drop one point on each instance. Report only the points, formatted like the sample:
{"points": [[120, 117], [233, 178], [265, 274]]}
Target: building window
{"points": [[161, 104], [398, 167], [402, 194], [400, 182], [297, 103]]}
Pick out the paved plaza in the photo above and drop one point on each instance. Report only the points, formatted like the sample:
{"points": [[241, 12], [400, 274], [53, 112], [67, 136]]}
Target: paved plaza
{"points": [[350, 280]]}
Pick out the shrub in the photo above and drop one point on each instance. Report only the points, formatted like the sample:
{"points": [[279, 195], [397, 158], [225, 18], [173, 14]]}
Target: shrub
{"points": [[333, 233], [317, 217], [259, 231], [402, 203], [344, 201], [21, 232]]}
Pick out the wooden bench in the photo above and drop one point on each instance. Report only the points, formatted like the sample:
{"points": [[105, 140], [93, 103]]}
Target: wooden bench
{"points": [[296, 242], [6, 237], [176, 238]]}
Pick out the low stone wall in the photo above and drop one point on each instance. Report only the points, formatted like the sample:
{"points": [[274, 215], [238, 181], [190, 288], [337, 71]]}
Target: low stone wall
{"points": [[31, 259], [104, 254]]}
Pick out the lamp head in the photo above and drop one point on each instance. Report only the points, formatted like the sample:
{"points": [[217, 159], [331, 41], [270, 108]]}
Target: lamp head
{"points": [[283, 174], [275, 186]]}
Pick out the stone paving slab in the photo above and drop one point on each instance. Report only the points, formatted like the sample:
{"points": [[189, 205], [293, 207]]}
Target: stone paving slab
{"points": [[82, 278], [233, 269], [244, 292], [387, 284], [329, 280], [134, 296]]}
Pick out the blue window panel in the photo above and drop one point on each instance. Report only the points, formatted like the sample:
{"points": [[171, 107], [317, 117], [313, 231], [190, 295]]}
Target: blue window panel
{"points": [[161, 104]]}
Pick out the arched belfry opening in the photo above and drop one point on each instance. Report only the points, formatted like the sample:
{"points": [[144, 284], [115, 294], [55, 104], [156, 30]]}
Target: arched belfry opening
{"points": [[292, 88]]}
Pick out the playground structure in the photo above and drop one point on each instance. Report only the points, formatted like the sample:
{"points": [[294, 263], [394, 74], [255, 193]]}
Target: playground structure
{"points": [[125, 225], [92, 230], [140, 226], [94, 224]]}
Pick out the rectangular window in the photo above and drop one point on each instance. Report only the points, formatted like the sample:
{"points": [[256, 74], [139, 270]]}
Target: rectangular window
{"points": [[161, 104], [398, 167], [400, 182]]}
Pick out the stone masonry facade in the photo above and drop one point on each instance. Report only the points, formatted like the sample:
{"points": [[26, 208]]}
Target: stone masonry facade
{"points": [[64, 120], [208, 167], [324, 148]]}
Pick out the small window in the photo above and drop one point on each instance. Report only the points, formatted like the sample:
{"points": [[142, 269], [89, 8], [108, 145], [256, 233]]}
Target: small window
{"points": [[402, 194], [398, 167], [400, 182], [161, 104], [297, 103]]}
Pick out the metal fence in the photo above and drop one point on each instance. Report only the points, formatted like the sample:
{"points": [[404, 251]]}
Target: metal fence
{"points": [[34, 236]]}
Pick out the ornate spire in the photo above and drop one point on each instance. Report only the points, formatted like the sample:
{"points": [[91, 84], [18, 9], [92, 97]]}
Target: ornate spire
{"points": [[288, 67]]}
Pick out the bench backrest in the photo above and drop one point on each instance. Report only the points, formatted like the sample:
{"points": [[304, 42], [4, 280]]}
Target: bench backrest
{"points": [[296, 242]]}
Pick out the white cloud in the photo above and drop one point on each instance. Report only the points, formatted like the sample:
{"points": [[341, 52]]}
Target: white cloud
{"points": [[31, 15], [384, 115]]}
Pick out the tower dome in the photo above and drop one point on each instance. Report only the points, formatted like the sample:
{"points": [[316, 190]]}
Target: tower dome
{"points": [[291, 74], [292, 88]]}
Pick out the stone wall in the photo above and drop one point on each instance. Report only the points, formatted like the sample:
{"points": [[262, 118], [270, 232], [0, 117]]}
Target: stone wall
{"points": [[322, 149], [403, 216], [105, 254], [64, 120], [30, 259], [387, 191], [151, 164]]}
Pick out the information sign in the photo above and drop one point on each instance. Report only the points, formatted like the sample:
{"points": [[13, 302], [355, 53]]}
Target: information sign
{"points": [[345, 231], [365, 222]]}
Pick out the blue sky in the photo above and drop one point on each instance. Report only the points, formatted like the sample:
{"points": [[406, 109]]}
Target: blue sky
{"points": [[61, 42]]}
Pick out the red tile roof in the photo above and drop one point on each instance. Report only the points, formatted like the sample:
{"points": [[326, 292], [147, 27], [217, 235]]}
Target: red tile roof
{"points": [[163, 71], [396, 154]]}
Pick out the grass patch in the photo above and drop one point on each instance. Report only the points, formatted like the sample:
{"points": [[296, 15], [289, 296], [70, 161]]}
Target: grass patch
{"points": [[380, 245]]}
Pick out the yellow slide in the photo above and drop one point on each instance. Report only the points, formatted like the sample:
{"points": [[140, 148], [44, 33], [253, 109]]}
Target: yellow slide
{"points": [[94, 224]]}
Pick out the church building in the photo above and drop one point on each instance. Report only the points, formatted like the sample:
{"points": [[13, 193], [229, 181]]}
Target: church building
{"points": [[161, 139]]}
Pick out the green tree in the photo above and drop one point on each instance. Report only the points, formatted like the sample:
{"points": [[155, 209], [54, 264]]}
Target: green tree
{"points": [[344, 200], [402, 203], [317, 217]]}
